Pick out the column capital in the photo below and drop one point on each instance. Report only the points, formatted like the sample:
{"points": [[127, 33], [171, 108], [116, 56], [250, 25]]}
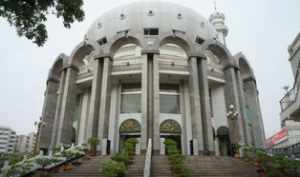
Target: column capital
{"points": [[103, 56], [198, 55], [249, 79], [150, 51], [229, 65], [71, 66], [52, 79]]}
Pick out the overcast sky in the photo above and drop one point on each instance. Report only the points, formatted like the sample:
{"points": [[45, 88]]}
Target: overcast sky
{"points": [[261, 29]]}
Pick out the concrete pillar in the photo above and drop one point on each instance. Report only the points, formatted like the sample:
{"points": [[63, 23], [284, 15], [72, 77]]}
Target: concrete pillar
{"points": [[92, 123], [187, 116], [205, 105], [68, 107], [58, 109], [156, 105], [254, 111], [144, 103], [242, 107], [197, 124], [105, 99], [48, 114], [113, 117], [232, 98], [83, 118]]}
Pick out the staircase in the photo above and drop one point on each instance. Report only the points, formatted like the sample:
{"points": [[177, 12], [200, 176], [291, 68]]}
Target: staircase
{"points": [[219, 166], [160, 166], [206, 166], [92, 168]]}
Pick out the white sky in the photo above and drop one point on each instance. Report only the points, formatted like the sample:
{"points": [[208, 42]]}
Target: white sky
{"points": [[261, 29]]}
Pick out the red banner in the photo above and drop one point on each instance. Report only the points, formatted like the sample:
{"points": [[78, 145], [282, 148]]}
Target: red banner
{"points": [[277, 137]]}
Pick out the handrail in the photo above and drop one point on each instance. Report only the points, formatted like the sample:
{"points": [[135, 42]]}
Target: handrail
{"points": [[147, 167]]}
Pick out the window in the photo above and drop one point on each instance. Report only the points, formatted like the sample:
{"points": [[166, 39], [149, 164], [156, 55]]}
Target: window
{"points": [[169, 99], [102, 41], [199, 40], [151, 31], [131, 98]]}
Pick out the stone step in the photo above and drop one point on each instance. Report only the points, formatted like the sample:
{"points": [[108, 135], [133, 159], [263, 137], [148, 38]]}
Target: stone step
{"points": [[92, 168]]}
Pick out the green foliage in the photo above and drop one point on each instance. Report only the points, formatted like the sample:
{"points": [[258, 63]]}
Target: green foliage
{"points": [[176, 159], [93, 141], [121, 157], [274, 166], [17, 169], [112, 168], [44, 161], [118, 165], [29, 16]]}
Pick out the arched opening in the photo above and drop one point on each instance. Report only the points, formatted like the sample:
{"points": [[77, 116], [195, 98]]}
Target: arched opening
{"points": [[170, 129], [127, 50], [223, 141], [125, 47], [172, 49], [82, 58], [130, 128]]}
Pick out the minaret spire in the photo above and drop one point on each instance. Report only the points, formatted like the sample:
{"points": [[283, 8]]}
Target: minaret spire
{"points": [[217, 19]]}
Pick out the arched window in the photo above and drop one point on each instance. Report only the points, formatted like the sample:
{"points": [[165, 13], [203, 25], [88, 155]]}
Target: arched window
{"points": [[128, 50], [130, 126], [170, 49], [170, 126]]}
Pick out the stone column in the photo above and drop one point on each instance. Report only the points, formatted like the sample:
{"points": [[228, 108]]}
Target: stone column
{"points": [[232, 98], [48, 114], [83, 118], [197, 126], [253, 103], [105, 99], [68, 107], [92, 123], [144, 103], [205, 105], [58, 109], [242, 107], [156, 105]]}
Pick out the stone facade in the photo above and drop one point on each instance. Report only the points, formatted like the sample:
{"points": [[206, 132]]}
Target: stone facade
{"points": [[146, 72]]}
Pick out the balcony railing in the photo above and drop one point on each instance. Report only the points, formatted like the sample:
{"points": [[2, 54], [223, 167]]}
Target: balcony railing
{"points": [[290, 97]]}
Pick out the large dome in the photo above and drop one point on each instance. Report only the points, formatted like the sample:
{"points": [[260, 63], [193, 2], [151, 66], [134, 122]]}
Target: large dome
{"points": [[136, 16]]}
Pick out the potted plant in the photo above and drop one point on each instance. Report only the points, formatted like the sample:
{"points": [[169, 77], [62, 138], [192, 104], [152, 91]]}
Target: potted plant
{"points": [[93, 141]]}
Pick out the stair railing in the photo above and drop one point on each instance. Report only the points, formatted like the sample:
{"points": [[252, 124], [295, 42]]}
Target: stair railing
{"points": [[147, 167]]}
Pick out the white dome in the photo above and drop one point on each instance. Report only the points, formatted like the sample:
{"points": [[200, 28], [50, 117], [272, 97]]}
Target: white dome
{"points": [[136, 16]]}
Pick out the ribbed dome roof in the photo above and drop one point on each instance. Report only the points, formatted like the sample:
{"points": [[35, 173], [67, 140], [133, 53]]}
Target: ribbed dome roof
{"points": [[136, 16]]}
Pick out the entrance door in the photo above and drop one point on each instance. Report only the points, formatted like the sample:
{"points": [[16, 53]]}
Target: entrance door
{"points": [[130, 128], [170, 129], [224, 141]]}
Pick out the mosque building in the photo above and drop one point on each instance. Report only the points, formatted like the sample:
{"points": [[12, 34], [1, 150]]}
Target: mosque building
{"points": [[153, 70]]}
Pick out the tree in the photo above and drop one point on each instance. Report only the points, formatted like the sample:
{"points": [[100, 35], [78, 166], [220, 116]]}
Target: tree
{"points": [[29, 16]]}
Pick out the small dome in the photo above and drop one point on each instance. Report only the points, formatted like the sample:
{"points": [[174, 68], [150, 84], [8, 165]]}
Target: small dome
{"points": [[164, 16]]}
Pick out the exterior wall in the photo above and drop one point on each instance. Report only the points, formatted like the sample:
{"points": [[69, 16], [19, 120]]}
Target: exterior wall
{"points": [[26, 143], [8, 140], [219, 107]]}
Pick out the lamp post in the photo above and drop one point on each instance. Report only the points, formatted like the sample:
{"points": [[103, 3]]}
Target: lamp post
{"points": [[233, 115]]}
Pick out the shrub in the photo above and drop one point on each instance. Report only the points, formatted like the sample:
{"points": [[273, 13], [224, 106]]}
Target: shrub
{"points": [[112, 168], [176, 159], [121, 157]]}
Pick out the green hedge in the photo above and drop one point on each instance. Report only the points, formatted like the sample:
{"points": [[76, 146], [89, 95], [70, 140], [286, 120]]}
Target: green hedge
{"points": [[118, 165], [176, 159], [272, 166]]}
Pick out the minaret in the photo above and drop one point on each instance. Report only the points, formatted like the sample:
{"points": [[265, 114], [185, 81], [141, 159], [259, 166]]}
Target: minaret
{"points": [[217, 19]]}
